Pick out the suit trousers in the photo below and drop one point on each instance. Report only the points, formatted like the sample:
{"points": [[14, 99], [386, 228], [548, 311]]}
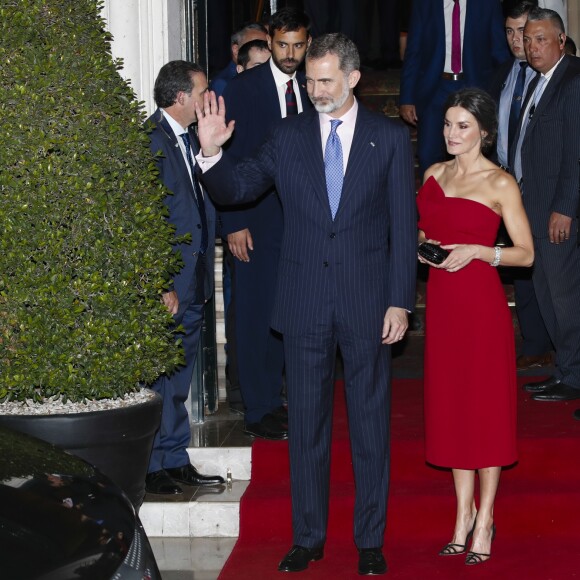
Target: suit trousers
{"points": [[310, 362], [259, 349], [174, 434], [557, 283], [536, 340]]}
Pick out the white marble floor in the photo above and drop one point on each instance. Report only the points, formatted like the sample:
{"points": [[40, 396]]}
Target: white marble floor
{"points": [[191, 558]]}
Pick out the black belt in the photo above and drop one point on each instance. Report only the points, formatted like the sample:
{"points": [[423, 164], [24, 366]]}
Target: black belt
{"points": [[452, 76]]}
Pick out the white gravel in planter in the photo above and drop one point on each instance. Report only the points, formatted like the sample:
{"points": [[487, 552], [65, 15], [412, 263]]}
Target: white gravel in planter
{"points": [[55, 406]]}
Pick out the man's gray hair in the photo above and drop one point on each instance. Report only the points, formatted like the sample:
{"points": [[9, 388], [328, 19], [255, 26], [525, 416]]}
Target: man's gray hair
{"points": [[238, 36], [536, 14], [340, 45]]}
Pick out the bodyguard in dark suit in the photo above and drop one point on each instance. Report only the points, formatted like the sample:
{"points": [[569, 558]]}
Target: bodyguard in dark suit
{"points": [[429, 74], [347, 278], [246, 33], [545, 159], [178, 87], [258, 99], [508, 88]]}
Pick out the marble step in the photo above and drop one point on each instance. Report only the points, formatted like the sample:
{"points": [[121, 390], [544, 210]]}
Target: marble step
{"points": [[210, 512], [191, 558]]}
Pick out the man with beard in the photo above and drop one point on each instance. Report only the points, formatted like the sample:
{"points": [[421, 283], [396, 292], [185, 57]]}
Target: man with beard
{"points": [[347, 278], [258, 99]]}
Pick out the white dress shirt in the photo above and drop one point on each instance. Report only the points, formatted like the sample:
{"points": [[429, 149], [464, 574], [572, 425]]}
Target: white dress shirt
{"points": [[281, 78], [345, 131], [178, 130], [448, 11]]}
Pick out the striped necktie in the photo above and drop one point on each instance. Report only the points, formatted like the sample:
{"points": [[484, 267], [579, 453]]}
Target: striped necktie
{"points": [[291, 105]]}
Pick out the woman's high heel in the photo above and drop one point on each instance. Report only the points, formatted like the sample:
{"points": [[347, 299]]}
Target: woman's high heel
{"points": [[456, 549], [474, 558]]}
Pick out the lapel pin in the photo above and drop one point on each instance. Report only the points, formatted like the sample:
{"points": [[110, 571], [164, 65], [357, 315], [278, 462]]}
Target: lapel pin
{"points": [[372, 144]]}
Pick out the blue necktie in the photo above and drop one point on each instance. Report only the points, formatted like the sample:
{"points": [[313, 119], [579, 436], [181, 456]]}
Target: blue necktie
{"points": [[516, 106], [198, 195], [333, 167]]}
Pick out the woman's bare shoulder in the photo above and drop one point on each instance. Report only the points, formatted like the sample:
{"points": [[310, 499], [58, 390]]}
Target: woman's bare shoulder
{"points": [[501, 181], [436, 170]]}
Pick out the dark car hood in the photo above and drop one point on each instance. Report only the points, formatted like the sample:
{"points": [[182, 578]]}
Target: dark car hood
{"points": [[59, 517]]}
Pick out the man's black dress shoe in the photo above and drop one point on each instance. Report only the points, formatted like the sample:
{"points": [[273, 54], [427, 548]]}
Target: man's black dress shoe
{"points": [[559, 392], [576, 414], [281, 413], [160, 482], [540, 386], [190, 476], [270, 427], [298, 558], [371, 562]]}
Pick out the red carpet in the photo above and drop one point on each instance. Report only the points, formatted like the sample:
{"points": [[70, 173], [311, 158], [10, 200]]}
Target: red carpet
{"points": [[537, 509]]}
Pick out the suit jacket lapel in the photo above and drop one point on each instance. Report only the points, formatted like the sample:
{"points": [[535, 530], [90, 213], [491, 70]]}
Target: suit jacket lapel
{"points": [[547, 95], [306, 104], [312, 157], [272, 96], [363, 144], [164, 124], [528, 96]]}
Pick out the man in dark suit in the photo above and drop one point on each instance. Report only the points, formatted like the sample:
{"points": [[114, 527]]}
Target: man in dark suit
{"points": [[246, 33], [544, 159], [508, 88], [257, 100], [430, 71], [178, 87], [347, 278]]}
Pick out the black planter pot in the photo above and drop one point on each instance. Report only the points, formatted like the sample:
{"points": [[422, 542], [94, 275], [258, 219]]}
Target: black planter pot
{"points": [[117, 441]]}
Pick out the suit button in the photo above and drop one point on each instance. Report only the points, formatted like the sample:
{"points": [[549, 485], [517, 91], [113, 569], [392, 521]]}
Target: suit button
{"points": [[199, 226], [325, 264], [332, 236]]}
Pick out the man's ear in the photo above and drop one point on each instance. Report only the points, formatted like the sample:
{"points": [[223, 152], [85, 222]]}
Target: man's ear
{"points": [[239, 68], [235, 50], [353, 78]]}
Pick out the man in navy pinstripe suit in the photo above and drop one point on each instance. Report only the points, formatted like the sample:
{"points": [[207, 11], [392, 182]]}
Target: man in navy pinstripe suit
{"points": [[345, 281]]}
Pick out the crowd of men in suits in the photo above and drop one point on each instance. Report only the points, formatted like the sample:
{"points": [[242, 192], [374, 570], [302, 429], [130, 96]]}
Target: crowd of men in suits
{"points": [[315, 198]]}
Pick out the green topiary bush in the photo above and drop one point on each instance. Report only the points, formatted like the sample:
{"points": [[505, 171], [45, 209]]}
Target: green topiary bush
{"points": [[85, 249]]}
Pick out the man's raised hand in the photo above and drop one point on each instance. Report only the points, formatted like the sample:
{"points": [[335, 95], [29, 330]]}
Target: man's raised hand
{"points": [[211, 124]]}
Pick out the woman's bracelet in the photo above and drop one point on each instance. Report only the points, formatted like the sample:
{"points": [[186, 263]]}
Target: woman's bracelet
{"points": [[497, 258]]}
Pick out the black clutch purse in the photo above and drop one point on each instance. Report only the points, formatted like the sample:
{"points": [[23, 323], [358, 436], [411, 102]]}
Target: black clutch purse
{"points": [[432, 253]]}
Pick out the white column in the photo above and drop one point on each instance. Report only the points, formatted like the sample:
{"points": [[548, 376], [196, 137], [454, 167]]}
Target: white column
{"points": [[574, 21], [146, 35]]}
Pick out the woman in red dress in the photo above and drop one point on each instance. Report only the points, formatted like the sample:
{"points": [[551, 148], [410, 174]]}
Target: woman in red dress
{"points": [[470, 374]]}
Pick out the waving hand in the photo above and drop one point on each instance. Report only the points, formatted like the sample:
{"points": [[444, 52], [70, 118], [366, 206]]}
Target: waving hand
{"points": [[211, 124]]}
